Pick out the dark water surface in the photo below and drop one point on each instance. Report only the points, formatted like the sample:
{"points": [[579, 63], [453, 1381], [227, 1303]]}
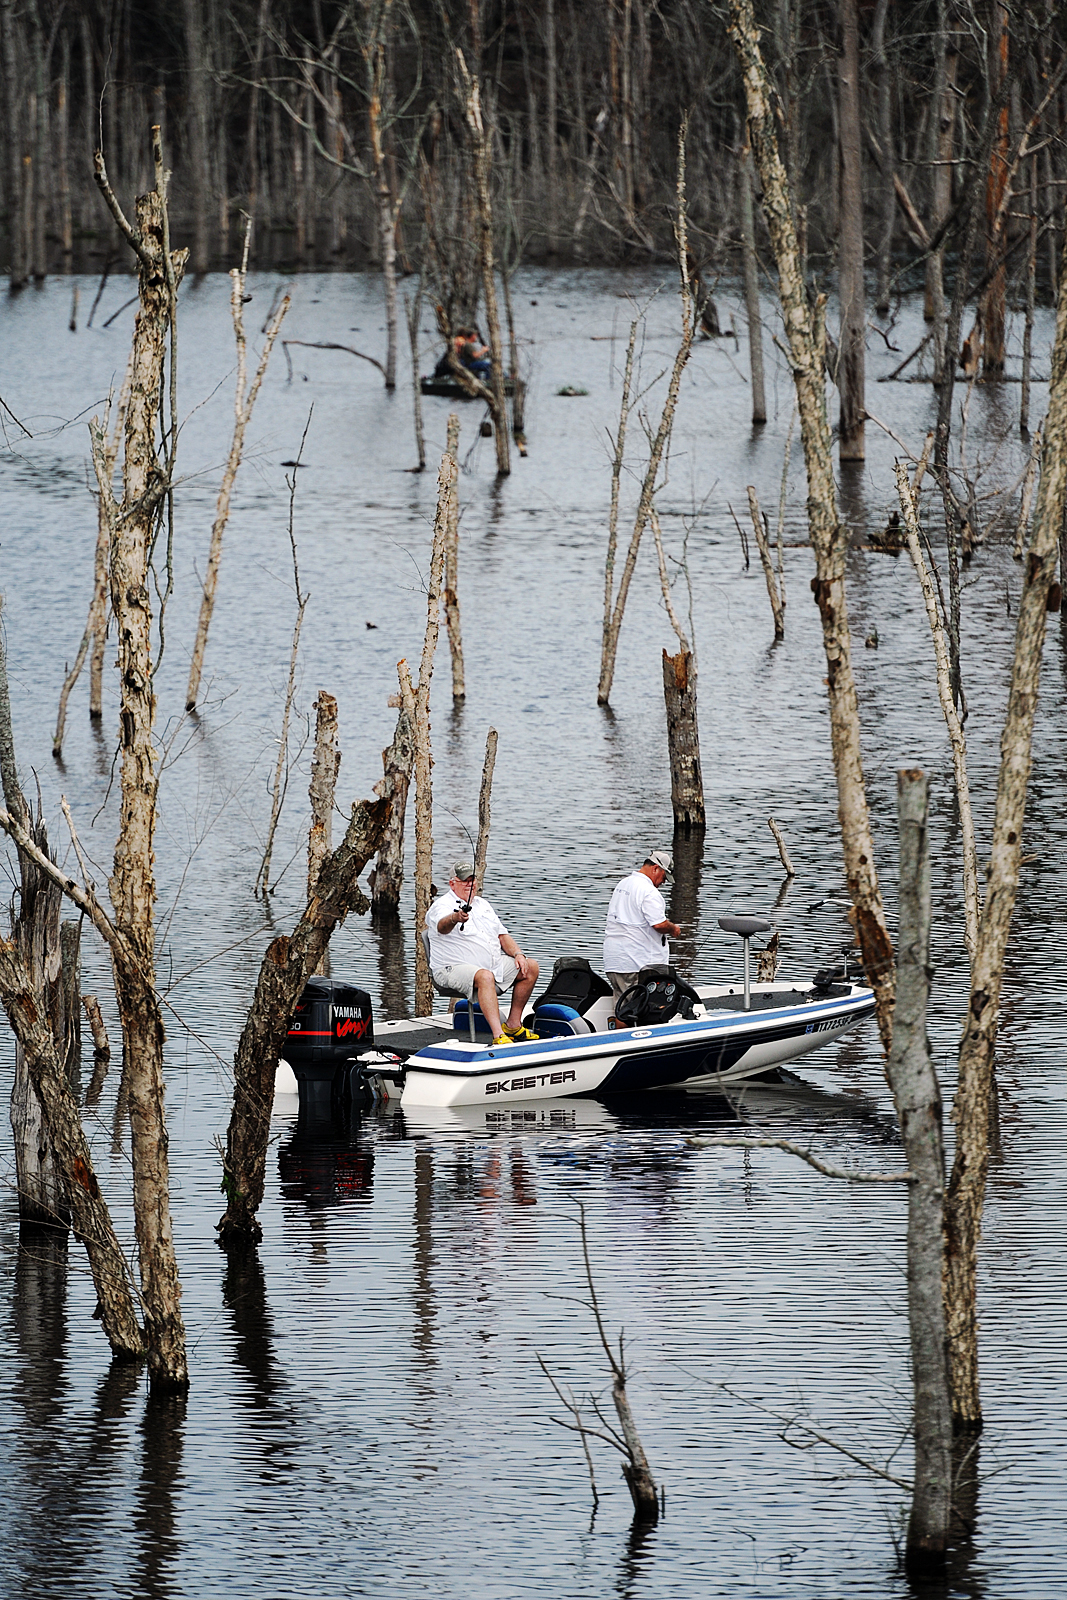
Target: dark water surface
{"points": [[367, 1415]]}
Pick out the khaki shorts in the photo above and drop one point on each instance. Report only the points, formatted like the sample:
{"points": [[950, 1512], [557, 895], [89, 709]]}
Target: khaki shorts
{"points": [[620, 982], [461, 975]]}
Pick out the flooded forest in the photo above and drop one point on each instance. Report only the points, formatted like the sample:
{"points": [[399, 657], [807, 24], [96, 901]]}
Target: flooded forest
{"points": [[504, 446]]}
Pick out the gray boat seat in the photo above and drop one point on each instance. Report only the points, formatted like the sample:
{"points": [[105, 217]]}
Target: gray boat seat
{"points": [[747, 927]]}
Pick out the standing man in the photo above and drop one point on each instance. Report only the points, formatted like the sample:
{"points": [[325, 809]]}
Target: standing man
{"points": [[638, 925], [473, 953]]}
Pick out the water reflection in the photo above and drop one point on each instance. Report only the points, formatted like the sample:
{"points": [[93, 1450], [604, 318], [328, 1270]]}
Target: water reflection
{"points": [[326, 1161], [388, 934], [636, 1559], [156, 1519], [244, 1294]]}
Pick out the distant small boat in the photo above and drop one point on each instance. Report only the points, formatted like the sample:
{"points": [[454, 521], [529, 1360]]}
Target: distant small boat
{"points": [[449, 389]]}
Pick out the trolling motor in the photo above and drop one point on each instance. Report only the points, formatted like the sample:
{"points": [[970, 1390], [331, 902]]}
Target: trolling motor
{"points": [[746, 927]]}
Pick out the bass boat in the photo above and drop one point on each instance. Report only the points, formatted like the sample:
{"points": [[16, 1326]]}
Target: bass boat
{"points": [[664, 1034]]}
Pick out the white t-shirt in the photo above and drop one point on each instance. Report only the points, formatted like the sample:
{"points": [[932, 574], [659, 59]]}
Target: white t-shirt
{"points": [[476, 942], [630, 939]]}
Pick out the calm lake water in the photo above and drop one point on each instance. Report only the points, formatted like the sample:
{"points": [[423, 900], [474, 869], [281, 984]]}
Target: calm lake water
{"points": [[367, 1414]]}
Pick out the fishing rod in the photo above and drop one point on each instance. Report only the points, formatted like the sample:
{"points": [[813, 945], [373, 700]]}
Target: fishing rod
{"points": [[465, 906]]}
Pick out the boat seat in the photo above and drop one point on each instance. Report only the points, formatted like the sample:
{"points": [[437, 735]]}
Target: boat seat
{"points": [[573, 983], [747, 927], [474, 1010]]}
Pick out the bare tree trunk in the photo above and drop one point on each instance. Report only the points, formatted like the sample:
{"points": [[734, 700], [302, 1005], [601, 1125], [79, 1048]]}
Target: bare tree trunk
{"points": [[911, 1076], [613, 615], [887, 198], [421, 720], [827, 533], [851, 357], [383, 195], [481, 151], [19, 269], [551, 128], [91, 1218], [750, 267], [450, 594], [65, 217], [287, 965], [997, 180], [1028, 328], [680, 700], [95, 635], [973, 1106], [971, 903], [763, 545], [198, 81], [325, 765], [397, 761], [133, 889], [243, 403], [414, 317], [481, 852]]}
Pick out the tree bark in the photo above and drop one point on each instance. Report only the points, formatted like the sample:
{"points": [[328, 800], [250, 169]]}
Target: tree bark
{"points": [[450, 593], [397, 762], [481, 850], [243, 402], [763, 546], [750, 267], [911, 1076], [287, 965], [973, 1107], [887, 198], [91, 1219], [851, 357], [197, 129], [683, 741], [19, 269], [481, 142], [132, 884], [325, 765], [997, 179], [827, 533], [421, 721]]}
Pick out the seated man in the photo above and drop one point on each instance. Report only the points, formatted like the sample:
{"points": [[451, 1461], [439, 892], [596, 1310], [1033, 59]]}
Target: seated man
{"points": [[475, 355], [472, 951]]}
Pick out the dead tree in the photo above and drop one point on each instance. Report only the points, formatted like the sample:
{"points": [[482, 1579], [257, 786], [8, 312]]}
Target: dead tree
{"points": [[658, 443], [851, 363], [481, 159], [325, 765], [917, 1097], [680, 701], [973, 1107], [450, 592], [398, 760], [776, 597], [750, 268], [95, 636], [287, 965], [624, 1438], [828, 535], [485, 792], [419, 706], [243, 402], [133, 891], [89, 1214]]}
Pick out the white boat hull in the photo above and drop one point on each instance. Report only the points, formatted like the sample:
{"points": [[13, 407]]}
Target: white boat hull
{"points": [[722, 1047]]}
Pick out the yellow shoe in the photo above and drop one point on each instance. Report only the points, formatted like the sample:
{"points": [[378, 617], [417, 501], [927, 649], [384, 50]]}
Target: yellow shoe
{"points": [[503, 1038], [519, 1034]]}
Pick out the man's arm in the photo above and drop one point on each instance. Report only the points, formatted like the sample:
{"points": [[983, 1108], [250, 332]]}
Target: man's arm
{"points": [[510, 948], [666, 926]]}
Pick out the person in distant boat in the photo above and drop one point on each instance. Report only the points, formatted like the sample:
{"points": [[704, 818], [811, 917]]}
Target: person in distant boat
{"points": [[475, 355], [638, 925], [473, 953]]}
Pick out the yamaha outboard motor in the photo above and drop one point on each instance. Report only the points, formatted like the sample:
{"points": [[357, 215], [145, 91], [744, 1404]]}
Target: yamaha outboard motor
{"points": [[333, 1024]]}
